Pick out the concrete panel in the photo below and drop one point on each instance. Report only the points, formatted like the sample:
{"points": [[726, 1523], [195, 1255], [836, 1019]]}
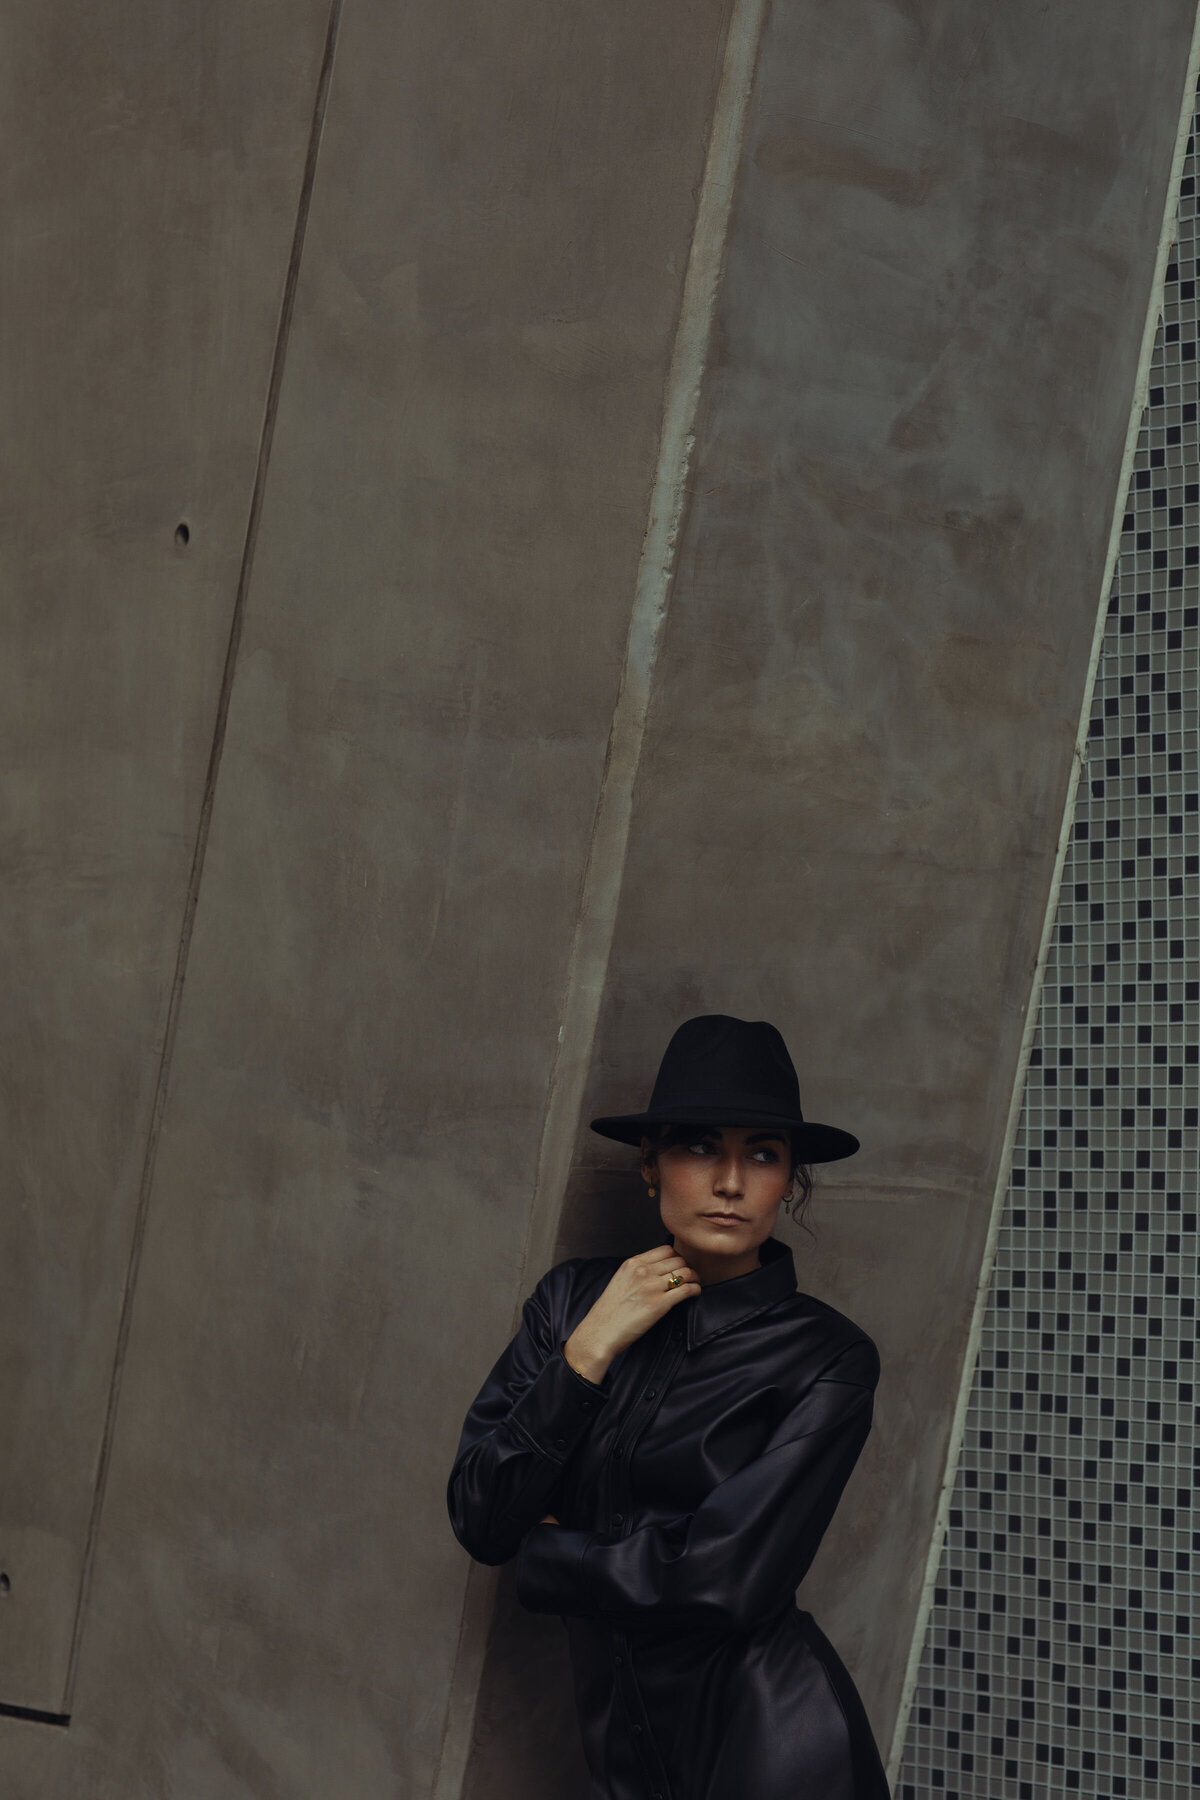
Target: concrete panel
{"points": [[456, 504], [866, 703], [152, 156], [853, 783]]}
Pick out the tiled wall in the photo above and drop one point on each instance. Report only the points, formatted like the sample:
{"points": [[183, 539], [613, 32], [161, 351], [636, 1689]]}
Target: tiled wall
{"points": [[1063, 1651]]}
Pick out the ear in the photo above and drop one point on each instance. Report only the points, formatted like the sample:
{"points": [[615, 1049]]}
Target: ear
{"points": [[649, 1163]]}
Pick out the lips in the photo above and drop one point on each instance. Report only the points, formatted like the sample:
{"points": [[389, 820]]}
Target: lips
{"points": [[725, 1218]]}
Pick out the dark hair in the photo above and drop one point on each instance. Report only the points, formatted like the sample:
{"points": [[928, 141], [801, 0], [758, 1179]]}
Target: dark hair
{"points": [[666, 1137]]}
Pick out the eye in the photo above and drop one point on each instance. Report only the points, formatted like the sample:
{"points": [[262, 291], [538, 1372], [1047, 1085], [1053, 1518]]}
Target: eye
{"points": [[701, 1147], [772, 1156]]}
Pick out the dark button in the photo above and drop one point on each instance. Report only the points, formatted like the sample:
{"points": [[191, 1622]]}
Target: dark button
{"points": [[618, 1518], [587, 1405], [637, 1731], [650, 1393], [620, 1661], [560, 1442]]}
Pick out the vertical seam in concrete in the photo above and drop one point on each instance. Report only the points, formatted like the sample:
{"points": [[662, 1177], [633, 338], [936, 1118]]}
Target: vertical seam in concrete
{"points": [[266, 437], [595, 920], [1033, 1003]]}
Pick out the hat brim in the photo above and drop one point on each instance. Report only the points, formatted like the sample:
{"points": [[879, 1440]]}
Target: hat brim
{"points": [[814, 1143]]}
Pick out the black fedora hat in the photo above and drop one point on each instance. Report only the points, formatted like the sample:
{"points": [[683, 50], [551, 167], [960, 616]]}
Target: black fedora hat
{"points": [[717, 1070]]}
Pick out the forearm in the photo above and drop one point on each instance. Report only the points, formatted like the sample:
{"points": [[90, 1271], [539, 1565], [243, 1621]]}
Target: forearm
{"points": [[493, 1500], [508, 1466], [730, 1562], [588, 1354], [585, 1574]]}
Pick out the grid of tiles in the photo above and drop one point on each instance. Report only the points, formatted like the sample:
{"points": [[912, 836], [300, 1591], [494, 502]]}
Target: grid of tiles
{"points": [[1063, 1652]]}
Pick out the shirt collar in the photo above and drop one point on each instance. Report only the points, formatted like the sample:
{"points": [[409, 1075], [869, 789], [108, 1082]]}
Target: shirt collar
{"points": [[726, 1303]]}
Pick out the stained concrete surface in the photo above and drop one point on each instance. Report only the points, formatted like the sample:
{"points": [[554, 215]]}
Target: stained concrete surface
{"points": [[845, 819], [462, 459], [152, 160]]}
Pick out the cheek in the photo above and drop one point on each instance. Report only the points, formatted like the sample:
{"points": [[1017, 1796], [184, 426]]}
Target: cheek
{"points": [[767, 1186], [685, 1176], [682, 1189]]}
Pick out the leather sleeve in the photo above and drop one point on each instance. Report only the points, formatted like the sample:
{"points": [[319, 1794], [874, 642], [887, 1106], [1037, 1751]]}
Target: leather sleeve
{"points": [[527, 1418], [749, 1542]]}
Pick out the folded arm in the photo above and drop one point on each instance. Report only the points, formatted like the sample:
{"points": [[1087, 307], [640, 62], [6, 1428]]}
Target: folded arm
{"points": [[744, 1548], [531, 1412]]}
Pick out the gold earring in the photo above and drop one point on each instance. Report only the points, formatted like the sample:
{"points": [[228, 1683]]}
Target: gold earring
{"points": [[653, 1191]]}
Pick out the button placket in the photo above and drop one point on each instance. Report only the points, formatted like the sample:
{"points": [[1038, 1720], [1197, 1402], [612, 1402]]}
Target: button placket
{"points": [[632, 1708], [641, 1414]]}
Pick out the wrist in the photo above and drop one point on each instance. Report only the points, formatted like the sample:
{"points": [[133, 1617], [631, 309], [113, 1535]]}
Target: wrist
{"points": [[587, 1359]]}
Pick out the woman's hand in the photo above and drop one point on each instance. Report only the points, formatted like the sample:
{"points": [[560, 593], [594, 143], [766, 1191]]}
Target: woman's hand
{"points": [[636, 1298]]}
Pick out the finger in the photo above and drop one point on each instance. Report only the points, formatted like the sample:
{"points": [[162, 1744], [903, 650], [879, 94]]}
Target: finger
{"points": [[687, 1292], [670, 1259], [654, 1256], [666, 1265]]}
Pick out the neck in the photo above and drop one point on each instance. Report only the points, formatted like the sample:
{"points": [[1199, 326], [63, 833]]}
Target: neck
{"points": [[710, 1269]]}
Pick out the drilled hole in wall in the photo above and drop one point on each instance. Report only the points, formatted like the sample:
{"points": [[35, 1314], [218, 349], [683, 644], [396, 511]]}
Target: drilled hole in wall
{"points": [[5, 1583], [182, 534]]}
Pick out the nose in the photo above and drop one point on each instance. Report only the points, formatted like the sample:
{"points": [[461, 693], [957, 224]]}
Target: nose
{"points": [[727, 1178]]}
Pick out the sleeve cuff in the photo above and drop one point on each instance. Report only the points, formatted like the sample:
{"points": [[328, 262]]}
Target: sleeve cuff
{"points": [[557, 1409]]}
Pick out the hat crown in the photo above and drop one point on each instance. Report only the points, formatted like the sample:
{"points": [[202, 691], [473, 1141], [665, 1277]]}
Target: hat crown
{"points": [[718, 1070], [716, 1059]]}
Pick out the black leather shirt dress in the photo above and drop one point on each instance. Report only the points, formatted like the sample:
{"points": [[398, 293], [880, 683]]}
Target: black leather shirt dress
{"points": [[693, 1487]]}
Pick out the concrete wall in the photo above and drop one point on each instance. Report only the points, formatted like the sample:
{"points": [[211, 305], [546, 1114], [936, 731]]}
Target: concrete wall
{"points": [[864, 712], [148, 188], [282, 1222], [428, 659]]}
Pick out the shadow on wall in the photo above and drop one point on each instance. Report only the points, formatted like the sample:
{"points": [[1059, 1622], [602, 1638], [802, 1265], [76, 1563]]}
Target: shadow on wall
{"points": [[607, 1212], [526, 1733]]}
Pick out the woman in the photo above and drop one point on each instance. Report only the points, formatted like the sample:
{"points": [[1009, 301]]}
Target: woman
{"points": [[664, 1442]]}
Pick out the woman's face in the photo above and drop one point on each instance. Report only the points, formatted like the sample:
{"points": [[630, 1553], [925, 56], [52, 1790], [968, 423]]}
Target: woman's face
{"points": [[720, 1192]]}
